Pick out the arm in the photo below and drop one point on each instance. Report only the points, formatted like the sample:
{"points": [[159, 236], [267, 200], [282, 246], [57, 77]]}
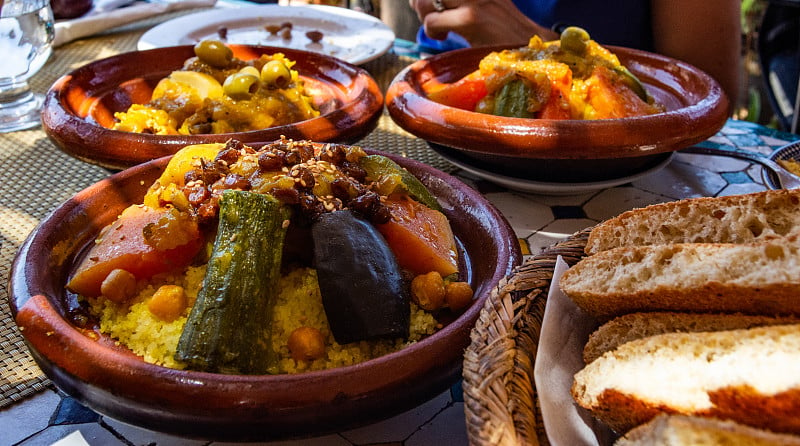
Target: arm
{"points": [[481, 22], [706, 34]]}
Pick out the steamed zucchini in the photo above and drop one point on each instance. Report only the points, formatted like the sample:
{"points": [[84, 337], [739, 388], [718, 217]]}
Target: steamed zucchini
{"points": [[228, 329]]}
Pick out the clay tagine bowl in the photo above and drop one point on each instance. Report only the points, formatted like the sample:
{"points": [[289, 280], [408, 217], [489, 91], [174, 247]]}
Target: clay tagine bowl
{"points": [[78, 110], [561, 150], [114, 382]]}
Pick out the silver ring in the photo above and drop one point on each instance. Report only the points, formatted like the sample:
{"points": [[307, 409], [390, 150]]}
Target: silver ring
{"points": [[438, 5]]}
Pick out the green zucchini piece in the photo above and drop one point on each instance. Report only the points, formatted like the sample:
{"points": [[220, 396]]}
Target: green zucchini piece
{"points": [[228, 329], [361, 284], [392, 178], [512, 100]]}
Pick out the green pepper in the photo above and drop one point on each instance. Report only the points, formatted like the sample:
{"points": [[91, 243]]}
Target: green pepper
{"points": [[391, 178], [633, 83]]}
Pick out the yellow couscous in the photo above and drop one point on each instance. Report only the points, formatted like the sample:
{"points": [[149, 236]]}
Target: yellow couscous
{"points": [[299, 303]]}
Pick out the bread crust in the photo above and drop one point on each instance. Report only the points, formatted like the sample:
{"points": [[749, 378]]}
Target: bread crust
{"points": [[761, 394], [674, 430], [769, 299], [629, 327], [779, 413], [754, 278], [730, 219]]}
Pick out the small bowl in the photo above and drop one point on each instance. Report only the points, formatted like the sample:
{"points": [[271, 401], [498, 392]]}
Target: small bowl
{"points": [[789, 152], [566, 150], [79, 108], [114, 382]]}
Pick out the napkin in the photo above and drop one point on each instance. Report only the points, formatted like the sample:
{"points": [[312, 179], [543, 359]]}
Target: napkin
{"points": [[107, 14], [565, 330]]}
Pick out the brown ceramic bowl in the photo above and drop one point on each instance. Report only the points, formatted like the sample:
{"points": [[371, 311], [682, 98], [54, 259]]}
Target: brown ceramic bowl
{"points": [[568, 150], [79, 108], [211, 406]]}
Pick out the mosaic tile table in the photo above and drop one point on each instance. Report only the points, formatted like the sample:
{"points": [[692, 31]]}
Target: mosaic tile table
{"points": [[33, 412]]}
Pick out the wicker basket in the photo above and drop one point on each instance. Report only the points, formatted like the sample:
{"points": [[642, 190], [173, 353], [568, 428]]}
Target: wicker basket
{"points": [[500, 398]]}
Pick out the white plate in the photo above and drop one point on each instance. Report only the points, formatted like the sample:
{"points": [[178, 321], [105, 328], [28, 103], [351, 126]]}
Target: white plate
{"points": [[551, 188], [349, 35]]}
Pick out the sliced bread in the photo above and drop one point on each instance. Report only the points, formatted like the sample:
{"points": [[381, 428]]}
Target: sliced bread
{"points": [[731, 219], [753, 278], [751, 376], [682, 430], [632, 326]]}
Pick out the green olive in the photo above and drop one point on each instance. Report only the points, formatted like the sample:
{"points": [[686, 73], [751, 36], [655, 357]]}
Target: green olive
{"points": [[575, 40], [240, 85], [214, 53], [276, 74], [250, 70]]}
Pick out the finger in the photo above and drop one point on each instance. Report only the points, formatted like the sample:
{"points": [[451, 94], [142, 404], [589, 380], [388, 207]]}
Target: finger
{"points": [[437, 26], [425, 7]]}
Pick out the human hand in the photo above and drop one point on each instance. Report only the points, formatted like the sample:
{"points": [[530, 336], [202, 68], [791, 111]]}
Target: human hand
{"points": [[481, 22]]}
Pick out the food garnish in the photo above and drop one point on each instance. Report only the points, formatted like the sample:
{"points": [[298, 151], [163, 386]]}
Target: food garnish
{"points": [[215, 92], [289, 257], [570, 78]]}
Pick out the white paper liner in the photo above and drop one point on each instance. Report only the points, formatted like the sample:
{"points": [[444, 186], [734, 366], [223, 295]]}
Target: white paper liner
{"points": [[113, 13], [565, 330]]}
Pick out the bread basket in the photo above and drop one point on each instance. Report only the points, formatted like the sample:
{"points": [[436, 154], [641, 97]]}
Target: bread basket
{"points": [[500, 399]]}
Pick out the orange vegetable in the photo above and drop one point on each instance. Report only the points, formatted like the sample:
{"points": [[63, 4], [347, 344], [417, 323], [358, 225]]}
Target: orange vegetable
{"points": [[614, 99], [557, 105], [420, 237], [464, 93], [122, 245]]}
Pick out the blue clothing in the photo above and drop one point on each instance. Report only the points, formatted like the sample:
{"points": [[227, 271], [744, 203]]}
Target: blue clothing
{"points": [[618, 22]]}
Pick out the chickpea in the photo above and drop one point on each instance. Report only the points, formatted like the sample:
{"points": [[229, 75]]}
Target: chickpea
{"points": [[276, 74], [240, 85], [214, 53], [306, 344], [458, 295], [168, 303], [118, 286], [427, 291]]}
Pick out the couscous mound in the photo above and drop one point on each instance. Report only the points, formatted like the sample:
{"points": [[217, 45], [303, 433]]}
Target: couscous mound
{"points": [[299, 303]]}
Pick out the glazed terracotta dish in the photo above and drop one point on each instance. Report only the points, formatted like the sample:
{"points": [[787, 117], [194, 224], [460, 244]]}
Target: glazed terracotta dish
{"points": [[113, 381], [78, 113], [567, 150]]}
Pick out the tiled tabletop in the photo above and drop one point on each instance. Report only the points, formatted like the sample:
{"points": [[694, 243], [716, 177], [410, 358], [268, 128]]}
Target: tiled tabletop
{"points": [[538, 220]]}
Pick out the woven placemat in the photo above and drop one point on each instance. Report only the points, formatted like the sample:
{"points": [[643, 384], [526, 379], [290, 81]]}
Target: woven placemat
{"points": [[38, 177]]}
